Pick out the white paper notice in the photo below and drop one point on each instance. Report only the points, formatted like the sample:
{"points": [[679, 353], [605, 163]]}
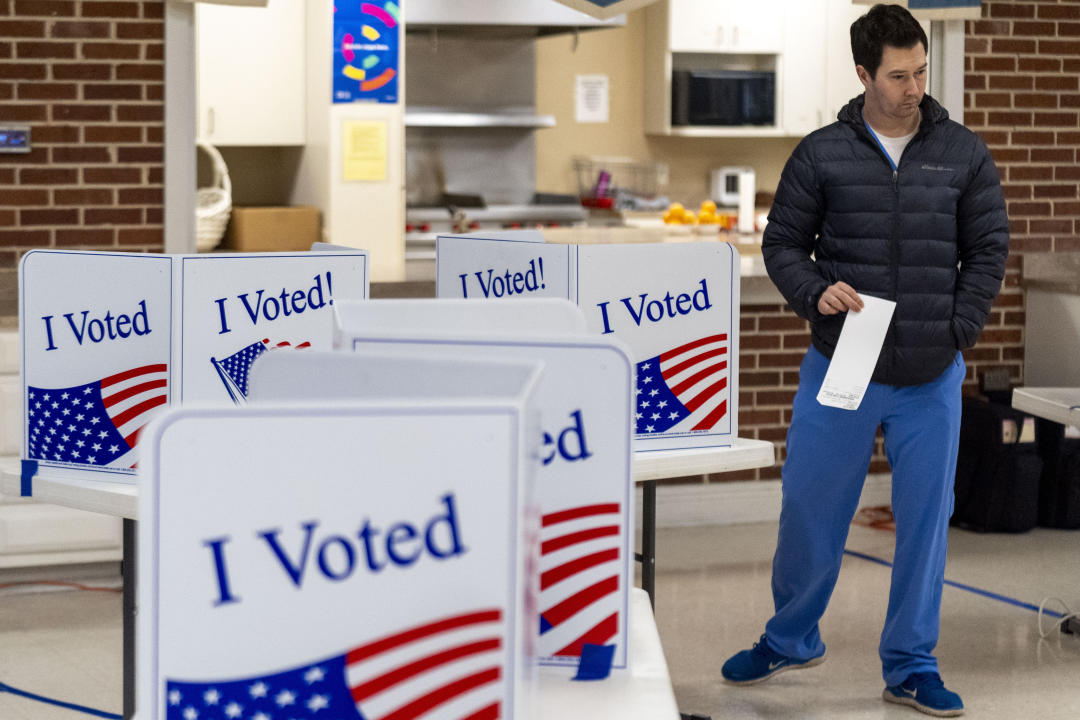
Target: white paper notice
{"points": [[856, 354], [591, 99]]}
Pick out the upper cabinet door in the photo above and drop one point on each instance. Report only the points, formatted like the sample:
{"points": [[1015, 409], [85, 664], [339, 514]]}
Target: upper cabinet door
{"points": [[250, 74], [732, 26], [842, 80], [803, 76]]}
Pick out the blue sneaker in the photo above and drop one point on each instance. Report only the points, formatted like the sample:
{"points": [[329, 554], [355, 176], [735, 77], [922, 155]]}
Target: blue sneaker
{"points": [[926, 693], [761, 663]]}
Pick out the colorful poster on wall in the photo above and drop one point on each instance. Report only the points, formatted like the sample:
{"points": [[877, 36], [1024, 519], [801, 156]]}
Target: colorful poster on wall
{"points": [[366, 53]]}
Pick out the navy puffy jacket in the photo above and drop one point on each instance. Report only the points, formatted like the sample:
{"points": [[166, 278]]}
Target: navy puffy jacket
{"points": [[933, 236]]}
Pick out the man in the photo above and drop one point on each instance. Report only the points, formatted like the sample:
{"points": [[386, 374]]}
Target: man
{"points": [[895, 201]]}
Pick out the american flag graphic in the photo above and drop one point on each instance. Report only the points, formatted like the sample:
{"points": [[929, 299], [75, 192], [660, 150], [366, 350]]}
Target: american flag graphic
{"points": [[580, 566], [97, 423], [449, 668], [683, 386], [234, 369]]}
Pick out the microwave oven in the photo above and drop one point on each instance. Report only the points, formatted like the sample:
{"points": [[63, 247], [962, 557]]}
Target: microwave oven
{"points": [[723, 97]]}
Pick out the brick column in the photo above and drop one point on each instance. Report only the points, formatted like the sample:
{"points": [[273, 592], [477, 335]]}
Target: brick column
{"points": [[87, 77]]}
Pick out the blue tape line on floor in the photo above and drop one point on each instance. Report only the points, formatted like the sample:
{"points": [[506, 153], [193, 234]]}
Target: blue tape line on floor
{"points": [[969, 588], [71, 706]]}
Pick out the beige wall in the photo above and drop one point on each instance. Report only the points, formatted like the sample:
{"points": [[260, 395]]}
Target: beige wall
{"points": [[619, 54]]}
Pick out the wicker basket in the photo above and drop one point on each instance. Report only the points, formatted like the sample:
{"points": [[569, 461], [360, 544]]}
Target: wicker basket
{"points": [[602, 179], [213, 205]]}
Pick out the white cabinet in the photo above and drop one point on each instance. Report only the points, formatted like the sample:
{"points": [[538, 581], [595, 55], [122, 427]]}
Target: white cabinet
{"points": [[803, 72], [841, 82], [818, 70], [733, 26], [250, 73], [806, 43]]}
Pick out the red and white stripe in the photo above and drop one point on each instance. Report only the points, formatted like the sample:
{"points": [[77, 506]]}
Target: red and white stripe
{"points": [[451, 668], [131, 399], [284, 344], [581, 562], [697, 374]]}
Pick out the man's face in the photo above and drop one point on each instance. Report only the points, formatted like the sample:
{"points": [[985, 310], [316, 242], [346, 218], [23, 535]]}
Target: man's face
{"points": [[898, 87]]}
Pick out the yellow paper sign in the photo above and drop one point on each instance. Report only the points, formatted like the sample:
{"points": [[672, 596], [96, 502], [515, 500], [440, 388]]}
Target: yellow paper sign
{"points": [[364, 150]]}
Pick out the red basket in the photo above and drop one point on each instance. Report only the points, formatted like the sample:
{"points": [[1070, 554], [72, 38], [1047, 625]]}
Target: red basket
{"points": [[601, 203]]}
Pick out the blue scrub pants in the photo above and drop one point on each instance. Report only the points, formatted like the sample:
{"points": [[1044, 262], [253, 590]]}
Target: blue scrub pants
{"points": [[828, 453]]}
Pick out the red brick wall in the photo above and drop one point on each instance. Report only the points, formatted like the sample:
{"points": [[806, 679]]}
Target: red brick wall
{"points": [[1022, 80], [87, 77], [1022, 64]]}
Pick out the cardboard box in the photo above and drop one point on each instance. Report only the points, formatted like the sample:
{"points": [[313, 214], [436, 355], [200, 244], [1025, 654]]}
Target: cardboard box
{"points": [[272, 229]]}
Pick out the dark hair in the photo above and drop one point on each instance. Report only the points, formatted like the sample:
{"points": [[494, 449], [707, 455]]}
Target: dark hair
{"points": [[883, 25]]}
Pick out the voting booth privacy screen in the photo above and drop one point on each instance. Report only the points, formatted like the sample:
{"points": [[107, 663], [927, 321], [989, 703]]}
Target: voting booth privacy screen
{"points": [[584, 480], [108, 340], [675, 305], [353, 561]]}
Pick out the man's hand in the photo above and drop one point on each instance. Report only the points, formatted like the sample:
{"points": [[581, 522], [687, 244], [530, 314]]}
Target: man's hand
{"points": [[838, 298]]}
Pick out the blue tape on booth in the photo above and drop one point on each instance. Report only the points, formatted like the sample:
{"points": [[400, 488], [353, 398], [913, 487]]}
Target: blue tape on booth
{"points": [[595, 662], [29, 470]]}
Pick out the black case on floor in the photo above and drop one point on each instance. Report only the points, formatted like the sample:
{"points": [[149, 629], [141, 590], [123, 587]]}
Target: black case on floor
{"points": [[1059, 487], [997, 482]]}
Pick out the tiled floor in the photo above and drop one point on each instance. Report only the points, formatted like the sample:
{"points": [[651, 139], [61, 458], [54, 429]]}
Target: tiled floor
{"points": [[63, 645], [712, 599]]}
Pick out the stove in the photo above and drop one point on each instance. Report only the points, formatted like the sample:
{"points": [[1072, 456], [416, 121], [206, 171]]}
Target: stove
{"points": [[424, 224]]}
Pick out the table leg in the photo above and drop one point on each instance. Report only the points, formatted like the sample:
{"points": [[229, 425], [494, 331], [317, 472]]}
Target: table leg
{"points": [[648, 540], [129, 576]]}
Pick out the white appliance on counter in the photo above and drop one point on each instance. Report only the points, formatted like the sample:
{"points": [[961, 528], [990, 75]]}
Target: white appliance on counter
{"points": [[736, 187]]}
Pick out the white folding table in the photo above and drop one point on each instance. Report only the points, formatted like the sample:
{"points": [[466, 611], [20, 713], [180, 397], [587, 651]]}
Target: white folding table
{"points": [[1061, 405], [648, 467]]}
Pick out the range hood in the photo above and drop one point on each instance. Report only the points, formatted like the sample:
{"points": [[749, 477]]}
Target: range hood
{"points": [[540, 17]]}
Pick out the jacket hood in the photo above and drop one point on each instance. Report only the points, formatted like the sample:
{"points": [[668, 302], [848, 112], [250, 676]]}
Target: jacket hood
{"points": [[932, 111]]}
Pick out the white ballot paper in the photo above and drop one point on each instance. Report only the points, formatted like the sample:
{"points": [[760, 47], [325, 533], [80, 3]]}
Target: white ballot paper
{"points": [[856, 354]]}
